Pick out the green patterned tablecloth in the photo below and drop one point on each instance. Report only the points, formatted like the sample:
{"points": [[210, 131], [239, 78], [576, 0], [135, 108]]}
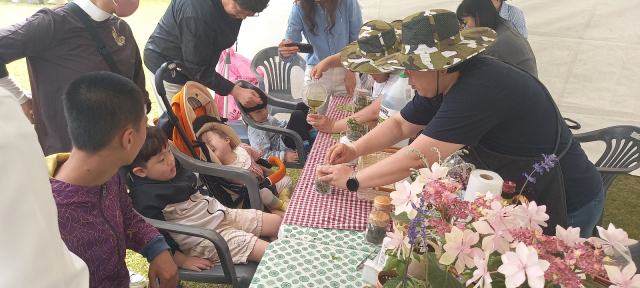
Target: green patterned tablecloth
{"points": [[294, 263], [338, 238]]}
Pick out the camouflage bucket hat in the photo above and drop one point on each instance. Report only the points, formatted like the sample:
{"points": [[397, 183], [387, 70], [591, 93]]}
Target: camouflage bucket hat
{"points": [[432, 40], [376, 40]]}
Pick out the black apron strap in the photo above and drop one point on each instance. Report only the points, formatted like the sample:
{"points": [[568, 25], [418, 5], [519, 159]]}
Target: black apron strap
{"points": [[102, 47]]}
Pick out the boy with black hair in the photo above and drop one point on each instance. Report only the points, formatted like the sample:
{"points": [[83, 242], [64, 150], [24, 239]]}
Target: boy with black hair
{"points": [[272, 144], [106, 120], [163, 190]]}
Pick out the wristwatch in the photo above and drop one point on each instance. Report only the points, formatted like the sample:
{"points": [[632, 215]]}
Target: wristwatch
{"points": [[352, 183]]}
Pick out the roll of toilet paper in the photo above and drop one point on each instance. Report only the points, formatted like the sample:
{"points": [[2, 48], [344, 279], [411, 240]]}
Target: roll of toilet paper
{"points": [[483, 181]]}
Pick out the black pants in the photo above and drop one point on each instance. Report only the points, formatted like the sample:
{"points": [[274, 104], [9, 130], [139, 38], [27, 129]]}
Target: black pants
{"points": [[298, 123]]}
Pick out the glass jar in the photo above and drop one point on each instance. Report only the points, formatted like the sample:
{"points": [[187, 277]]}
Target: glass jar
{"points": [[377, 227], [322, 187]]}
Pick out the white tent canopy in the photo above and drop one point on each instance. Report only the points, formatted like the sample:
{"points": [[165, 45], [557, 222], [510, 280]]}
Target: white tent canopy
{"points": [[588, 51]]}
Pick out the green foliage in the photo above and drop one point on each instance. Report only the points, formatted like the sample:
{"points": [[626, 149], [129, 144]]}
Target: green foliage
{"points": [[392, 262], [355, 129], [497, 278], [589, 283], [438, 277], [396, 282], [402, 217]]}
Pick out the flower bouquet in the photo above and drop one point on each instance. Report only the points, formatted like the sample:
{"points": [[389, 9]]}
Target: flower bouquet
{"points": [[492, 243]]}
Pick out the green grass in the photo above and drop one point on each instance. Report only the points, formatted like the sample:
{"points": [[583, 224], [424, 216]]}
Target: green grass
{"points": [[623, 197]]}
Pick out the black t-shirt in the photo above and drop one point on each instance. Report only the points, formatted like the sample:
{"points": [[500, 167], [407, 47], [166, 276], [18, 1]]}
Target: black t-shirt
{"points": [[506, 111], [194, 32]]}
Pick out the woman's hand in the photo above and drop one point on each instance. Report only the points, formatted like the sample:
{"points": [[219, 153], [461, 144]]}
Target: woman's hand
{"points": [[341, 153], [287, 51], [337, 174], [321, 122]]}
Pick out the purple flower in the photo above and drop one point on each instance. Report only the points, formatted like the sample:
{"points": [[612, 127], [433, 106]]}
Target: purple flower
{"points": [[529, 178], [412, 233], [539, 168]]}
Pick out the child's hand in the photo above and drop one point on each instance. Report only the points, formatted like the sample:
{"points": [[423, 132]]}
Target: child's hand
{"points": [[291, 157], [196, 264]]}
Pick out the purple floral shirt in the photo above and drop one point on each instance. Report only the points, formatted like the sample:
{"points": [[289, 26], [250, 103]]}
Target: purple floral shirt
{"points": [[98, 224]]}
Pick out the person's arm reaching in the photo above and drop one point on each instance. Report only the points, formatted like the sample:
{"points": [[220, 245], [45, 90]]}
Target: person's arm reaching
{"points": [[393, 168], [327, 125], [195, 38], [389, 132], [332, 61]]}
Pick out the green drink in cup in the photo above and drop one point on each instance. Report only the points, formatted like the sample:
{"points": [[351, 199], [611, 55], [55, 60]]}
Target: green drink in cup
{"points": [[314, 95]]}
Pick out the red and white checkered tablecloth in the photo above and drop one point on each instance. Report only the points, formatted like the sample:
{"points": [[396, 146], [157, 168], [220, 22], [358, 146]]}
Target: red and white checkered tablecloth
{"points": [[339, 210]]}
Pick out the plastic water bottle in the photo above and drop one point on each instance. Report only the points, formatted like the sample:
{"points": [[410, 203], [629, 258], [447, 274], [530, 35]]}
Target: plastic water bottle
{"points": [[396, 97]]}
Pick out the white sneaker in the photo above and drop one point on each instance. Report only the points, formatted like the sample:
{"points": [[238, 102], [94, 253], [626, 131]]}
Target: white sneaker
{"points": [[136, 280]]}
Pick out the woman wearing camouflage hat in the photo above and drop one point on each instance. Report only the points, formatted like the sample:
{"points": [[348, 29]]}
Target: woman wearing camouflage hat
{"points": [[376, 40], [502, 114]]}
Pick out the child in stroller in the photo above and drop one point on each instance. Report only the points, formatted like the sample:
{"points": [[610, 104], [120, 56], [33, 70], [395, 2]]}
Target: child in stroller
{"points": [[225, 144], [162, 189]]}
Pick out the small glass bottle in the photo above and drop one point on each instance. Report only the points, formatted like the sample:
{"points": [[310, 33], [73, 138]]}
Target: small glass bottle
{"points": [[508, 190], [377, 227]]}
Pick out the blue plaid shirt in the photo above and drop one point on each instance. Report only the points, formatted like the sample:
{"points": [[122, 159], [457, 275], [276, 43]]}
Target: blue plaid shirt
{"points": [[516, 17], [269, 143], [348, 24]]}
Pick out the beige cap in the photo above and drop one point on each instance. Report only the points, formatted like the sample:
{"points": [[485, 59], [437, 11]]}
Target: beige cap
{"points": [[382, 203], [379, 218]]}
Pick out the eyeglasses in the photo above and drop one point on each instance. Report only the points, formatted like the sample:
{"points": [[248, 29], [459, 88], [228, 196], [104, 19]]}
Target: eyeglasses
{"points": [[462, 24], [245, 14]]}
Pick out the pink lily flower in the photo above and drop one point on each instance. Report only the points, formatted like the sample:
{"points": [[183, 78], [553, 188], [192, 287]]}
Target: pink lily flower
{"points": [[523, 265], [612, 238], [626, 278]]}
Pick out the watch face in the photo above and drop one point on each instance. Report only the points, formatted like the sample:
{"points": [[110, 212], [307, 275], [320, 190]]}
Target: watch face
{"points": [[352, 184]]}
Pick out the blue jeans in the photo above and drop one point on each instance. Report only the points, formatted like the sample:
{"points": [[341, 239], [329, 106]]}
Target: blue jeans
{"points": [[587, 217]]}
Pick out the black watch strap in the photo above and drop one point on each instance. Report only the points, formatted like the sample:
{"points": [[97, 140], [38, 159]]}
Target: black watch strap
{"points": [[352, 183]]}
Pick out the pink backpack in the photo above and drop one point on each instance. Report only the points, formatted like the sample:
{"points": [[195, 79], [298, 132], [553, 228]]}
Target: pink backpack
{"points": [[240, 69]]}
